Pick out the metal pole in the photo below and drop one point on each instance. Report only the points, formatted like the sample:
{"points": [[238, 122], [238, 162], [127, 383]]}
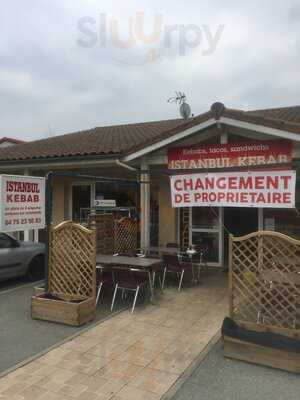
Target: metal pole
{"points": [[48, 210]]}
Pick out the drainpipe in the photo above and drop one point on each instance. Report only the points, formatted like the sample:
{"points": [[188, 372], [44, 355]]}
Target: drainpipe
{"points": [[123, 165]]}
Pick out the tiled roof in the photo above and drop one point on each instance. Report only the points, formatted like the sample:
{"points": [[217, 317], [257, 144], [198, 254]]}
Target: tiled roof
{"points": [[120, 140], [5, 139], [107, 140], [288, 114]]}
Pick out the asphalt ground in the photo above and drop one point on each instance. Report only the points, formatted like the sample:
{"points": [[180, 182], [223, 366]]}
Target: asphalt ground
{"points": [[218, 378], [21, 337], [13, 283]]}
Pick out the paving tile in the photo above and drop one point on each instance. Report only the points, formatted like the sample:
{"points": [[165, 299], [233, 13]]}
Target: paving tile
{"points": [[138, 355], [133, 393], [81, 343], [154, 342], [71, 390], [155, 381], [11, 397], [38, 368], [172, 363], [80, 378], [119, 369], [92, 367], [88, 395], [27, 379], [108, 351], [12, 389], [94, 383], [52, 357], [85, 363], [55, 396], [32, 393], [111, 387], [48, 384], [129, 356], [61, 375]]}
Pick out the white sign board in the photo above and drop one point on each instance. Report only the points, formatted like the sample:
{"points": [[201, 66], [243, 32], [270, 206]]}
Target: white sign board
{"points": [[105, 203], [22, 203], [265, 189]]}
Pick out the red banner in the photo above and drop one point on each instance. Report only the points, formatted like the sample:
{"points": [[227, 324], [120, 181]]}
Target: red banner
{"points": [[242, 154]]}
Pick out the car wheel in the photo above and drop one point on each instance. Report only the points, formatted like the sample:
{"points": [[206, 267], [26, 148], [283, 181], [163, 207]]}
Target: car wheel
{"points": [[36, 270]]}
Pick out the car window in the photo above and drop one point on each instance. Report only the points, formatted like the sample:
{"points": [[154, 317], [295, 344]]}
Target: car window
{"points": [[5, 241]]}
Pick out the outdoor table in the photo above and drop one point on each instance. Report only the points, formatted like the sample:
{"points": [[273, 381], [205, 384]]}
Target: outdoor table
{"points": [[191, 253], [161, 250], [143, 263], [177, 251]]}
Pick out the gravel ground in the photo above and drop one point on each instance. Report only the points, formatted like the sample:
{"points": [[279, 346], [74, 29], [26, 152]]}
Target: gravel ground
{"points": [[217, 378], [20, 336]]}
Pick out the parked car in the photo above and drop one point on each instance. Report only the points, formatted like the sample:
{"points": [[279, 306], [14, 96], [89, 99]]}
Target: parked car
{"points": [[19, 258]]}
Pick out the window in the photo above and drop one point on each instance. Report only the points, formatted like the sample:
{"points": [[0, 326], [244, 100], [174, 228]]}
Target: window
{"points": [[205, 218], [285, 221]]}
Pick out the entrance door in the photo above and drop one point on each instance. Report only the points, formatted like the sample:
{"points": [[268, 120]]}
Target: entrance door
{"points": [[206, 228], [81, 201], [238, 222], [241, 221]]}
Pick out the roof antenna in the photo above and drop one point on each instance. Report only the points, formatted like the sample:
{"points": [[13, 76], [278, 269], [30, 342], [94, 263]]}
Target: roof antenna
{"points": [[180, 99], [50, 131]]}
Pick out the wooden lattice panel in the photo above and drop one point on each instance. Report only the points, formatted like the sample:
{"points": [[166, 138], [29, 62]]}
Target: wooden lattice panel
{"points": [[104, 225], [265, 280], [72, 261], [125, 235]]}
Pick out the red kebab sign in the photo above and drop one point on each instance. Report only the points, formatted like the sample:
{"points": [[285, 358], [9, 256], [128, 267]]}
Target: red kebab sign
{"points": [[22, 204], [267, 189], [230, 155]]}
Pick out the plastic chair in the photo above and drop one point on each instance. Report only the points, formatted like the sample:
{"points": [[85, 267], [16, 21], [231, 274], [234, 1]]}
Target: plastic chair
{"points": [[174, 266], [129, 279], [103, 278]]}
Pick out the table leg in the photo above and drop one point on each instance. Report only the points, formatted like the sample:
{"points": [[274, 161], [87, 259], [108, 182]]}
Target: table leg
{"points": [[151, 287], [193, 273]]}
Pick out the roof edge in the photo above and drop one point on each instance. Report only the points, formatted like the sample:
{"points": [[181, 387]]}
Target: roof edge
{"points": [[59, 160], [218, 112]]}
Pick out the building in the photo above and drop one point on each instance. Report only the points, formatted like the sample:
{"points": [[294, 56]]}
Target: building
{"points": [[8, 142], [151, 152]]}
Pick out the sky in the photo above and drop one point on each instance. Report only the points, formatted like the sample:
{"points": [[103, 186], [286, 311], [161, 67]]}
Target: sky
{"points": [[68, 65]]}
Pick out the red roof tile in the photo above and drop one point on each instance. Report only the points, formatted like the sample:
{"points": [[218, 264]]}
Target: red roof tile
{"points": [[120, 140]]}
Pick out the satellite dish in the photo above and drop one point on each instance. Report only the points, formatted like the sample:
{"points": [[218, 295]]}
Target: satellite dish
{"points": [[185, 110]]}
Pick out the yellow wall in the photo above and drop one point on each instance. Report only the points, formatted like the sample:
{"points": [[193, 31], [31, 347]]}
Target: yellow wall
{"points": [[167, 215], [58, 200]]}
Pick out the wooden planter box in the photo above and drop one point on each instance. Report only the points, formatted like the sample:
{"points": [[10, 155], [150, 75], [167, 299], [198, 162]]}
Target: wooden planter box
{"points": [[253, 353], [38, 290], [62, 311]]}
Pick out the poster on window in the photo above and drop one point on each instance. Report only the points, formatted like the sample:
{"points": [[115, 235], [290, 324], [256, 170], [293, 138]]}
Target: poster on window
{"points": [[22, 205], [261, 189]]}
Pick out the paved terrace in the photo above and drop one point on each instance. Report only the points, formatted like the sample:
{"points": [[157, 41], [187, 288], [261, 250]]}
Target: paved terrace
{"points": [[127, 357]]}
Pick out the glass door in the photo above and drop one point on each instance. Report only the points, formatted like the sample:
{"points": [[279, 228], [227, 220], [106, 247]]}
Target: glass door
{"points": [[206, 227]]}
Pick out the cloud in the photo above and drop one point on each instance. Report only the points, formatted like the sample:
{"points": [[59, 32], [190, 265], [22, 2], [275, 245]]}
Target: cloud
{"points": [[47, 79]]}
